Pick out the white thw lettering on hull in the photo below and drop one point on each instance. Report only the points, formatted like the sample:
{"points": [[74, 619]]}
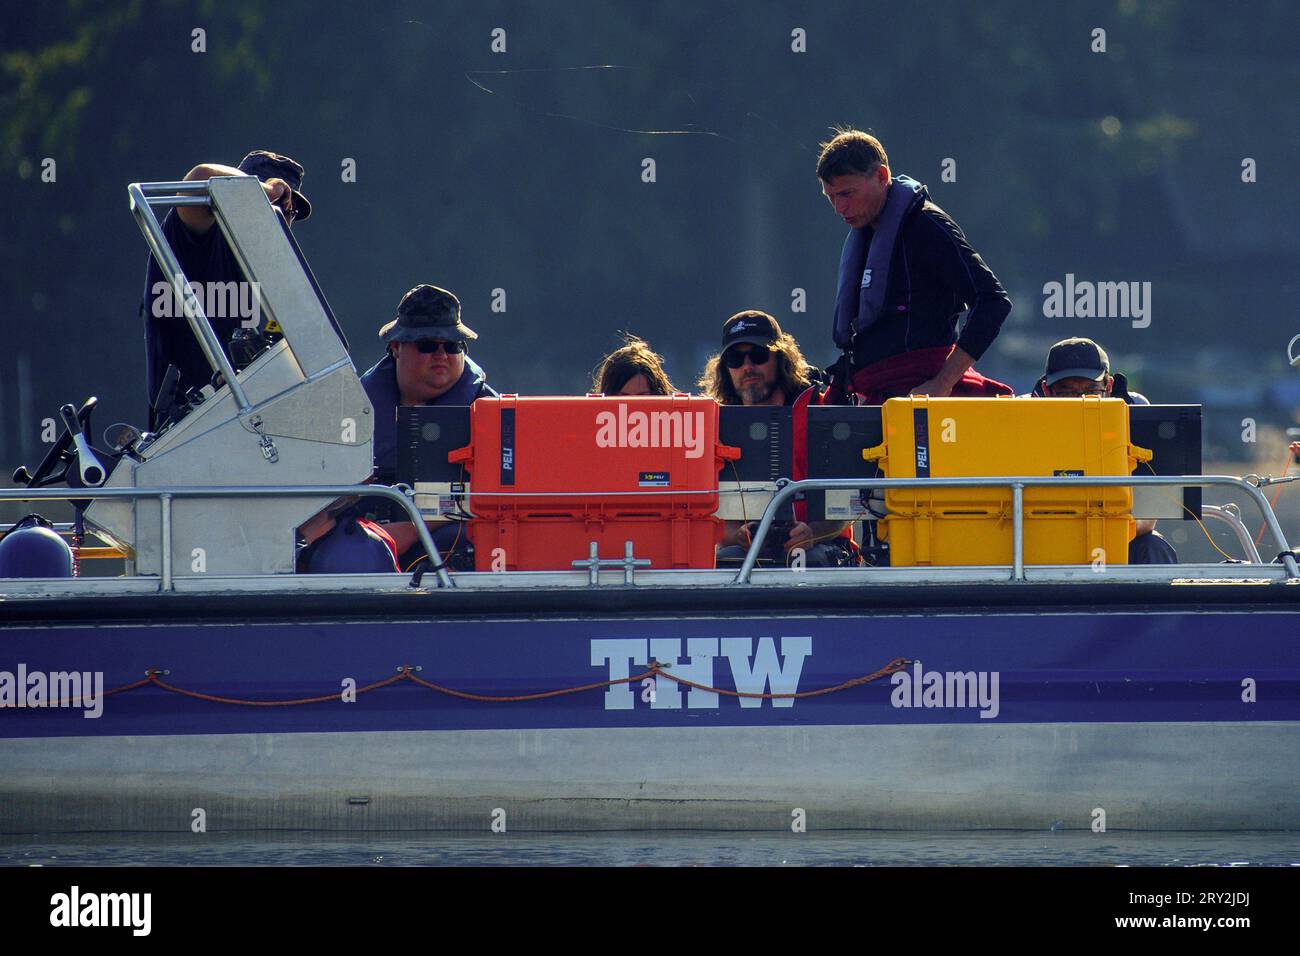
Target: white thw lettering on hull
{"points": [[752, 673]]}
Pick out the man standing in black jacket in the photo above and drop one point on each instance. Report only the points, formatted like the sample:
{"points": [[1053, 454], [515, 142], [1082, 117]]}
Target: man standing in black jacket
{"points": [[906, 275]]}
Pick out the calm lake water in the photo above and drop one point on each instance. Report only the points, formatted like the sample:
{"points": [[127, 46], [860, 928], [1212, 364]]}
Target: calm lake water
{"points": [[877, 848]]}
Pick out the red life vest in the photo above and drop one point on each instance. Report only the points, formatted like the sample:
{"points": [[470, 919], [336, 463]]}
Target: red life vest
{"points": [[897, 375]]}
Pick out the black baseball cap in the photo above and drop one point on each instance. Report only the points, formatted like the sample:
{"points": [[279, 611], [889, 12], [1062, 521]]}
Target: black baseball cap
{"points": [[267, 165], [427, 312], [1076, 358], [752, 326]]}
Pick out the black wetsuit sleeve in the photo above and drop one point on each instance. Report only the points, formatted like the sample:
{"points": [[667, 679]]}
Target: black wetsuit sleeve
{"points": [[973, 281]]}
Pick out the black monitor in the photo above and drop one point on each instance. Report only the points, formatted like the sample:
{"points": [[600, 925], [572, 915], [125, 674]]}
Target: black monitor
{"points": [[762, 433], [1173, 433], [425, 434], [837, 436]]}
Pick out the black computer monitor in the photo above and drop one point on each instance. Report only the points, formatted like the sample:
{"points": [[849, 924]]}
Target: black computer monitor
{"points": [[837, 436], [762, 433], [1173, 433], [425, 434]]}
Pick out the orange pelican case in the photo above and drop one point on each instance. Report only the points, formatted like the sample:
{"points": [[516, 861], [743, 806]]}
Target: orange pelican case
{"points": [[990, 437], [551, 475]]}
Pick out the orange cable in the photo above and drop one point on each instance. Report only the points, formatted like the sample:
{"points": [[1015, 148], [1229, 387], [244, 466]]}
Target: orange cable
{"points": [[407, 673]]}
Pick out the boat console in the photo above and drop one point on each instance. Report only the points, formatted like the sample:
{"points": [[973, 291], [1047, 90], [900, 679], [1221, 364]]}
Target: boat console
{"points": [[294, 416]]}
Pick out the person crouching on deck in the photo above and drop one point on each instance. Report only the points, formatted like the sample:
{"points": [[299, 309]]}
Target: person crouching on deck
{"points": [[1078, 367]]}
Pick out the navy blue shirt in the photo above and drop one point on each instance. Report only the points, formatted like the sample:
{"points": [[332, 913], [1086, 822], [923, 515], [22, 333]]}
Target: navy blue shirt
{"points": [[380, 383], [168, 338]]}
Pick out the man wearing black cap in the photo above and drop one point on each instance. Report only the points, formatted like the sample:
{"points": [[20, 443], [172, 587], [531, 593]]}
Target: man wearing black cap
{"points": [[1078, 367], [762, 365], [759, 364], [205, 257]]}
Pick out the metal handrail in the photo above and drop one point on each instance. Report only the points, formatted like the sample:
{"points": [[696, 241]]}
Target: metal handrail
{"points": [[1231, 516], [144, 196], [165, 496], [1018, 484], [405, 496]]}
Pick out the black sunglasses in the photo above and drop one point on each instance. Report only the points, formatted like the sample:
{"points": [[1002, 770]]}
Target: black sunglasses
{"points": [[430, 346], [759, 355]]}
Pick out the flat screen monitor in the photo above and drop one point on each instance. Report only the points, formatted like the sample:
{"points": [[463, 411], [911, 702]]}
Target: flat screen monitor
{"points": [[1173, 433], [763, 435]]}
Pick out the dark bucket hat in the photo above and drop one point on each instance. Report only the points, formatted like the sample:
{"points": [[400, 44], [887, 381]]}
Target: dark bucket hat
{"points": [[267, 165], [427, 312]]}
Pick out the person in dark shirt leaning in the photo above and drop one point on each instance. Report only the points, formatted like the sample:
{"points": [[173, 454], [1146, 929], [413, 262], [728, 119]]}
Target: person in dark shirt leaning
{"points": [[906, 275], [1077, 367], [206, 258]]}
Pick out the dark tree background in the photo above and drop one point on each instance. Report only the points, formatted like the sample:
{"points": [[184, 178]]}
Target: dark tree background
{"points": [[522, 171]]}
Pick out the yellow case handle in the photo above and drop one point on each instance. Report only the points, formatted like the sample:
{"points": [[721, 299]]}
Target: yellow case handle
{"points": [[875, 452]]}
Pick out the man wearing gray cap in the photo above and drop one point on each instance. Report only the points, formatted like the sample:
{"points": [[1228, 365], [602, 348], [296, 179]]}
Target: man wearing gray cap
{"points": [[1078, 367], [427, 363]]}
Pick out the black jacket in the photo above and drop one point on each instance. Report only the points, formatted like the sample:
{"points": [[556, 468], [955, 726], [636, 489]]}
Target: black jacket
{"points": [[934, 276]]}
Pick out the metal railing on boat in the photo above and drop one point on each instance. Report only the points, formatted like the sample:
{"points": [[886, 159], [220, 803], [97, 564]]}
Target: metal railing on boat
{"points": [[401, 495], [1230, 515], [786, 490], [1018, 484]]}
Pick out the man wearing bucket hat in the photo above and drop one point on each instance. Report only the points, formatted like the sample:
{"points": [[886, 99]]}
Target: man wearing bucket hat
{"points": [[205, 257], [427, 363]]}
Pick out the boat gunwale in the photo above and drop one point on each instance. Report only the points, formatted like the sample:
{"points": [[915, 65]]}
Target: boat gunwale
{"points": [[361, 597]]}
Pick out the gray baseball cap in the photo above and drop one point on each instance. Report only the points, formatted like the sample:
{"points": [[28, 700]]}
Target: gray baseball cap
{"points": [[427, 312], [1076, 358]]}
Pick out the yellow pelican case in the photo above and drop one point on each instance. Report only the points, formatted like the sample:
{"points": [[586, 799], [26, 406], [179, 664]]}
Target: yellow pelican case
{"points": [[990, 437]]}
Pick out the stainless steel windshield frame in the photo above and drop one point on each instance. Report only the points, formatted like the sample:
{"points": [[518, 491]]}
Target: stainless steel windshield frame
{"points": [[144, 196]]}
